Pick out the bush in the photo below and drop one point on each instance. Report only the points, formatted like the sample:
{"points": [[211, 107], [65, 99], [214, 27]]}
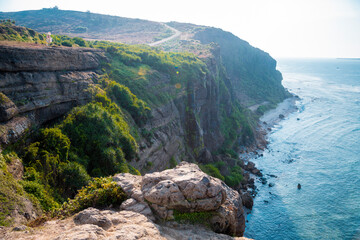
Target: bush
{"points": [[73, 177], [79, 41], [137, 108], [37, 191], [55, 142], [66, 43], [100, 137], [211, 170], [193, 217], [100, 193], [235, 177]]}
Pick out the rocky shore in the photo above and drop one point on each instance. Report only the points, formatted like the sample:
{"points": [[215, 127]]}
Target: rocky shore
{"points": [[266, 123]]}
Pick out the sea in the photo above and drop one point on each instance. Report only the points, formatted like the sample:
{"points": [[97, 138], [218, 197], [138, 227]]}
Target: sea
{"points": [[317, 147]]}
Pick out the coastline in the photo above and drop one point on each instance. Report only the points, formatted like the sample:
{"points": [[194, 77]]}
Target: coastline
{"points": [[265, 125], [282, 110]]}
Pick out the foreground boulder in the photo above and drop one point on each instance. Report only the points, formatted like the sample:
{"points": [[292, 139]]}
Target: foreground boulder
{"points": [[160, 195], [184, 189]]}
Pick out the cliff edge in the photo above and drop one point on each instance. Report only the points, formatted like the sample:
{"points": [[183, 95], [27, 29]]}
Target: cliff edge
{"points": [[39, 84]]}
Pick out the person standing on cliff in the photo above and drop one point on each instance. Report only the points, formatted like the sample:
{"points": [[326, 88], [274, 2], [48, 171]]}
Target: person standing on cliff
{"points": [[48, 38]]}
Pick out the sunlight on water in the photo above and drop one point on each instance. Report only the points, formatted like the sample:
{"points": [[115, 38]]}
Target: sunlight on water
{"points": [[318, 147]]}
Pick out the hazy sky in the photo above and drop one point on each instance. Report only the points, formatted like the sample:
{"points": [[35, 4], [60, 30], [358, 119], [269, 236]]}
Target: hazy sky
{"points": [[284, 28]]}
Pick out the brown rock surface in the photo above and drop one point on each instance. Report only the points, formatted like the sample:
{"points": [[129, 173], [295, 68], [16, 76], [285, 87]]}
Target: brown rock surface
{"points": [[41, 84], [126, 225], [186, 189]]}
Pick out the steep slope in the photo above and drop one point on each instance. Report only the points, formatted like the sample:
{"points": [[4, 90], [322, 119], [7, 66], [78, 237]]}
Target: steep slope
{"points": [[252, 72]]}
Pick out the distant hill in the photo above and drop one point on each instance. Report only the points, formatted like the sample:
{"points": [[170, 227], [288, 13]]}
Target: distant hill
{"points": [[89, 25]]}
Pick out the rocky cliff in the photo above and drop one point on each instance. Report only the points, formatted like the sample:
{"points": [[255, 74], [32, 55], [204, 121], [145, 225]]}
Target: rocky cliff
{"points": [[39, 84]]}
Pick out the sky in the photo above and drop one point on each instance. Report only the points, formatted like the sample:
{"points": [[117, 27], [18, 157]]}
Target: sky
{"points": [[283, 28]]}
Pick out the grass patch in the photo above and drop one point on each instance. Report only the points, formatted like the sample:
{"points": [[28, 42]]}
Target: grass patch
{"points": [[193, 217]]}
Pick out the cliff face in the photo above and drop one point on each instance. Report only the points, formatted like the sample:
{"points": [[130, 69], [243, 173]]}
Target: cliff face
{"points": [[189, 124], [252, 71], [41, 84]]}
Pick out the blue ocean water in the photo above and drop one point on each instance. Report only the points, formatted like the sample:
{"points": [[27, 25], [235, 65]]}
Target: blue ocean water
{"points": [[318, 147]]}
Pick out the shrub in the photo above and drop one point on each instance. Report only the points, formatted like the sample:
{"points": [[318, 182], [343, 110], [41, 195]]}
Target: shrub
{"points": [[37, 191], [193, 217], [66, 43], [100, 193], [137, 108], [55, 142], [79, 41], [73, 177], [235, 177], [100, 137], [211, 170]]}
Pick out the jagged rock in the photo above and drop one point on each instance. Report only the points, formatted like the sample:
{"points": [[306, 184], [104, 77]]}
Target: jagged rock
{"points": [[249, 166], [247, 200], [205, 156], [7, 108], [185, 188], [92, 216]]}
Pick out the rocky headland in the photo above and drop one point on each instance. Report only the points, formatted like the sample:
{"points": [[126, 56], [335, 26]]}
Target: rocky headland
{"points": [[198, 116]]}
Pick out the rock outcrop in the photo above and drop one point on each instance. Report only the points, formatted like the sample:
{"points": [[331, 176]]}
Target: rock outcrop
{"points": [[149, 211], [125, 225], [184, 189], [40, 84]]}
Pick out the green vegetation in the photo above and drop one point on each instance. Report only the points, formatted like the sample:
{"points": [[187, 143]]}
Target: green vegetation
{"points": [[172, 162], [4, 99], [100, 193], [10, 32], [12, 194], [212, 170], [124, 98], [193, 217], [232, 179]]}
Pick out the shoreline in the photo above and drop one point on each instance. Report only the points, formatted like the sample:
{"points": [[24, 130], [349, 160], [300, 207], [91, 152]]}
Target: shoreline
{"points": [[265, 125]]}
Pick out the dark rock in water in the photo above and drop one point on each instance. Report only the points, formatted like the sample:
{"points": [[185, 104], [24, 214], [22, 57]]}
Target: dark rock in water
{"points": [[266, 201], [281, 116], [298, 119], [247, 200], [256, 172], [265, 123], [263, 180], [299, 186], [271, 184], [250, 166]]}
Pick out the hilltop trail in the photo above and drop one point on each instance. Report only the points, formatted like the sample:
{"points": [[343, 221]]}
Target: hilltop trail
{"points": [[177, 33]]}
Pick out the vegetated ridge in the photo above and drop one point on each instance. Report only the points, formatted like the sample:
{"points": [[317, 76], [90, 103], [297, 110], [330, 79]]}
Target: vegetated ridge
{"points": [[139, 109]]}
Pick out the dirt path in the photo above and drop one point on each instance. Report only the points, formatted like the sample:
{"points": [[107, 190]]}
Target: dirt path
{"points": [[176, 34]]}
